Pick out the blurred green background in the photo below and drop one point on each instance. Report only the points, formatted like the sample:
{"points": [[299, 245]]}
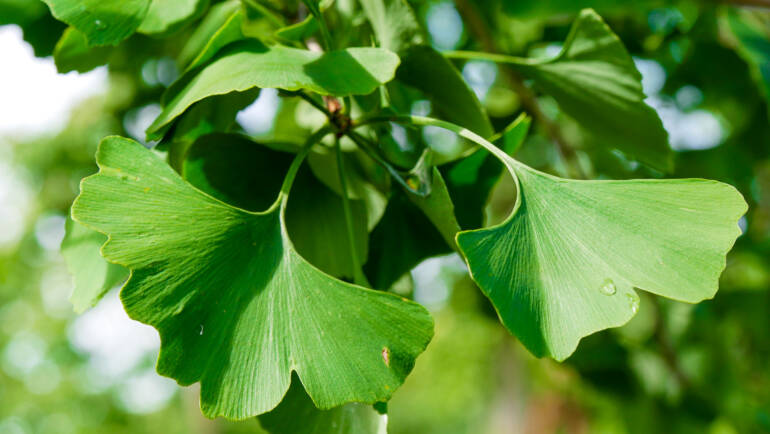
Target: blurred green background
{"points": [[673, 368]]}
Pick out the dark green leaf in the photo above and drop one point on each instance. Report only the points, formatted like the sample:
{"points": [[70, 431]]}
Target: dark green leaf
{"points": [[297, 415]]}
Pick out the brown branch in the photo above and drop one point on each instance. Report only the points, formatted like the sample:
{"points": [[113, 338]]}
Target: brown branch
{"points": [[480, 30]]}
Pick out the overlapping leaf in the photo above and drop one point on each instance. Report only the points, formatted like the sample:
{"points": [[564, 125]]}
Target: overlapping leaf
{"points": [[93, 275], [104, 22], [221, 26], [595, 81], [73, 53], [248, 64], [566, 262], [236, 307], [297, 415]]}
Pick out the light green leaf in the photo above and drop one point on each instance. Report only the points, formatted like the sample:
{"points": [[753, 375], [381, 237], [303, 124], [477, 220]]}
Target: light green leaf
{"points": [[237, 308], [595, 81], [300, 31], [247, 64], [165, 16], [104, 22], [566, 262], [72, 53], [93, 276], [221, 26], [393, 23], [753, 46], [297, 415]]}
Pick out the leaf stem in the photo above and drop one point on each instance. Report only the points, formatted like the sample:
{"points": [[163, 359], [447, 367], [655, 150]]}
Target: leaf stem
{"points": [[426, 121], [358, 275], [291, 174], [312, 5]]}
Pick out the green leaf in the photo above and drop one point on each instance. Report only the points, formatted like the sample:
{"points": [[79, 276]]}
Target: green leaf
{"points": [[595, 81], [300, 31], [403, 238], [753, 46], [439, 209], [221, 26], [393, 23], [297, 415], [104, 22], [323, 163], [248, 64], [93, 276], [566, 261], [237, 308], [316, 224], [72, 53], [470, 180], [228, 166], [166, 16], [213, 114], [425, 69]]}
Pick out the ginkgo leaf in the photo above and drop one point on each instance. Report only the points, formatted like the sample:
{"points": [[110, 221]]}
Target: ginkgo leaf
{"points": [[566, 261], [104, 22], [237, 308], [93, 276], [297, 415], [594, 80], [393, 23], [247, 64], [165, 16]]}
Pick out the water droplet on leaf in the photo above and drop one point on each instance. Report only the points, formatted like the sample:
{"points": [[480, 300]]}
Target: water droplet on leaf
{"points": [[100, 25], [608, 287], [201, 332], [633, 301]]}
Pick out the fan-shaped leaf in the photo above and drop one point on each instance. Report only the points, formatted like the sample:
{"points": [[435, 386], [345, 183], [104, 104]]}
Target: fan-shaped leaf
{"points": [[566, 262], [237, 308]]}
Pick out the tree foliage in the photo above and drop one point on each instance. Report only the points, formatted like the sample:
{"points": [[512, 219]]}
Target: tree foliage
{"points": [[272, 265]]}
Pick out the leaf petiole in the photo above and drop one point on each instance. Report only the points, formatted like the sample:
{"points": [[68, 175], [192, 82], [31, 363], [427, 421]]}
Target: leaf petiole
{"points": [[358, 275]]}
